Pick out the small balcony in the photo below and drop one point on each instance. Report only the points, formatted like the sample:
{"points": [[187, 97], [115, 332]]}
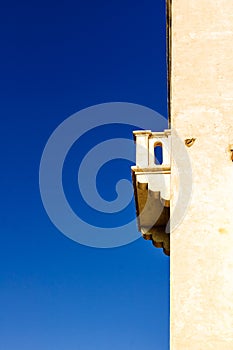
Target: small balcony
{"points": [[151, 179]]}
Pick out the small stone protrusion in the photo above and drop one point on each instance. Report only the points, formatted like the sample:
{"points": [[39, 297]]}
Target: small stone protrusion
{"points": [[231, 150], [189, 142], [147, 236]]}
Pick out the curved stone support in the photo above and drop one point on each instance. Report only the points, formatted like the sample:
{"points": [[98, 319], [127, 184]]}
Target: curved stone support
{"points": [[152, 186]]}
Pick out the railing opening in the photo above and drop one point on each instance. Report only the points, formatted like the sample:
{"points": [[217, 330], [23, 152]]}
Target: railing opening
{"points": [[158, 153]]}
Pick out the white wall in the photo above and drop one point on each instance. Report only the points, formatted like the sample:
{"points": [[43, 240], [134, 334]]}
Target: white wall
{"points": [[202, 108]]}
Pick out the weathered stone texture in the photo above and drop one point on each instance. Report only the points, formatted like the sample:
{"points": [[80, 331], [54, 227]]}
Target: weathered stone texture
{"points": [[202, 108]]}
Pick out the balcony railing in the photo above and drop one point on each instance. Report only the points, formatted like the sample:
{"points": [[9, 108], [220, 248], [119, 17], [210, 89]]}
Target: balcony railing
{"points": [[151, 178]]}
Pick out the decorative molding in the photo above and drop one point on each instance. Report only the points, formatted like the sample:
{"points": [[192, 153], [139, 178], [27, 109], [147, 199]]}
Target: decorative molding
{"points": [[152, 187]]}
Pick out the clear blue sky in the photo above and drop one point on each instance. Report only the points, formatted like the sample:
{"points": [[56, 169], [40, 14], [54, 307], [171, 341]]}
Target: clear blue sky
{"points": [[58, 57]]}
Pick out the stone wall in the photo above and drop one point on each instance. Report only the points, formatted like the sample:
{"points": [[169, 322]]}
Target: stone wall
{"points": [[202, 108]]}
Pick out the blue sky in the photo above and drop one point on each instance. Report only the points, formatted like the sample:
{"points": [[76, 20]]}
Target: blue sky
{"points": [[57, 58]]}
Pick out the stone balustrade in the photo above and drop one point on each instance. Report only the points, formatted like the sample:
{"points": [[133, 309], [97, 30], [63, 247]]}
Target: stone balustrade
{"points": [[151, 178]]}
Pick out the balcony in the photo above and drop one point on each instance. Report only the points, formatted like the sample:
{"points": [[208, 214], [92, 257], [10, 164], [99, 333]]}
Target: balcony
{"points": [[151, 179]]}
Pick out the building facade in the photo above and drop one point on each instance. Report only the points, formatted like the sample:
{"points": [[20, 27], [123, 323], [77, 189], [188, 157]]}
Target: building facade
{"points": [[200, 74], [201, 104]]}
